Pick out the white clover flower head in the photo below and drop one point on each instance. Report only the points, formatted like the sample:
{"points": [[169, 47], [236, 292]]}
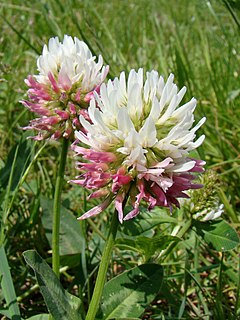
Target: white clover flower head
{"points": [[210, 213], [68, 76], [138, 141]]}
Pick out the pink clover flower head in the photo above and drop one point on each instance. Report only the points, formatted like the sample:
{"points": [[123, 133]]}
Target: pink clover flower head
{"points": [[137, 144], [61, 91]]}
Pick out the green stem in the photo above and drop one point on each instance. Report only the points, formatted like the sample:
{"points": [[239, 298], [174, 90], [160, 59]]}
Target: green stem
{"points": [[97, 293], [219, 307], [57, 206]]}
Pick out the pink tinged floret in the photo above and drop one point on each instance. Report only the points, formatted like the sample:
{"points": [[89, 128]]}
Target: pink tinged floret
{"points": [[64, 115], [98, 209], [39, 137], [95, 167], [136, 203], [67, 133], [119, 206], [159, 195], [85, 114], [72, 108], [156, 170], [198, 167], [132, 214], [39, 95], [95, 177], [75, 122], [37, 90], [64, 80], [63, 97], [31, 82], [35, 107], [181, 183], [90, 182], [150, 200], [120, 179], [165, 163], [53, 82], [90, 95], [56, 135], [99, 194], [97, 180], [96, 156], [44, 123], [80, 182], [47, 120], [78, 95]]}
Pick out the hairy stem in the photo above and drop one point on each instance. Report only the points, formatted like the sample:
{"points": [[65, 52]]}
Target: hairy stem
{"points": [[97, 293], [57, 206]]}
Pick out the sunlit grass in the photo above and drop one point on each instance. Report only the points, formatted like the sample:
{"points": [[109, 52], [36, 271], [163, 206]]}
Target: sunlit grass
{"points": [[196, 40]]}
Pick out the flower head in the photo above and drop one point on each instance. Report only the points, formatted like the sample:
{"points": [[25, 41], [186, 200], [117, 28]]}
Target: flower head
{"points": [[138, 143], [210, 213], [205, 204], [68, 75]]}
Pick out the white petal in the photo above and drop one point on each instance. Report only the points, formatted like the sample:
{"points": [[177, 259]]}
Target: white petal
{"points": [[189, 106], [124, 122], [148, 133], [183, 167]]}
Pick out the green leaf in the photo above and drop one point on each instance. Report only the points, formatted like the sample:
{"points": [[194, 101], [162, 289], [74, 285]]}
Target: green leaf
{"points": [[145, 221], [71, 238], [146, 246], [127, 244], [43, 316], [21, 151], [127, 295], [8, 288], [60, 303], [125, 318], [219, 234], [150, 246]]}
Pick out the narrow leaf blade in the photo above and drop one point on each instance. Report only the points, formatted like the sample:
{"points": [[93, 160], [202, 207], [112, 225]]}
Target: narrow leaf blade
{"points": [[60, 303], [71, 237], [7, 287]]}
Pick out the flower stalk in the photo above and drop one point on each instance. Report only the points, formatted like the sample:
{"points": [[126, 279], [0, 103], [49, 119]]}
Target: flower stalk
{"points": [[97, 293], [57, 206]]}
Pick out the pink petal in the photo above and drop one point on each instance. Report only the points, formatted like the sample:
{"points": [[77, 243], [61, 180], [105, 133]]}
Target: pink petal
{"points": [[98, 209], [119, 206], [35, 107], [64, 80], [88, 97], [53, 82], [78, 95], [72, 108], [93, 166], [120, 179], [63, 114], [95, 155], [132, 214], [160, 195], [99, 194]]}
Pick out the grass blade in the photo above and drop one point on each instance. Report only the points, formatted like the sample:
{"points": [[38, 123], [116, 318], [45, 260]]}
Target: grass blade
{"points": [[7, 287]]}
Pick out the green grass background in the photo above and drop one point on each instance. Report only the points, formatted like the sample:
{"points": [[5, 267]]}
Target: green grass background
{"points": [[196, 40]]}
